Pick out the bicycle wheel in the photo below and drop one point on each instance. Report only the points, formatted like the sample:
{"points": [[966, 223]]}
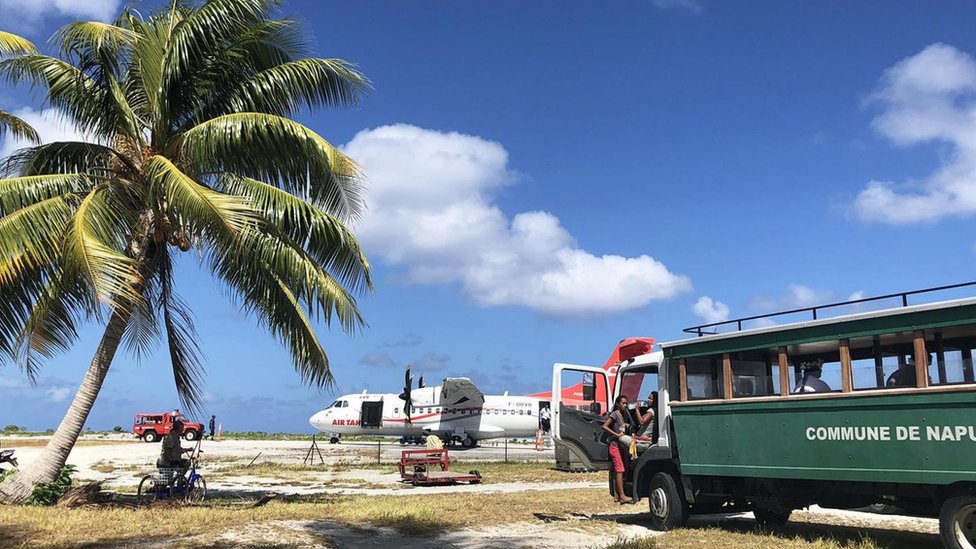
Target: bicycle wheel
{"points": [[197, 491], [146, 491]]}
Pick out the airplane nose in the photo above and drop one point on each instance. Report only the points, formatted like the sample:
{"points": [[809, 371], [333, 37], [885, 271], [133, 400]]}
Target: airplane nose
{"points": [[317, 420]]}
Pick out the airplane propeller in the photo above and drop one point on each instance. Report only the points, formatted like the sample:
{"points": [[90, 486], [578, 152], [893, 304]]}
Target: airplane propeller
{"points": [[405, 395], [420, 384]]}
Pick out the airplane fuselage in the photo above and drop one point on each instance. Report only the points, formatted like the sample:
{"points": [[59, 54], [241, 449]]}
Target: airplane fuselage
{"points": [[498, 416]]}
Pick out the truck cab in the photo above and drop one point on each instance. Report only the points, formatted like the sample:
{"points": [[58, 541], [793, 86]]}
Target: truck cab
{"points": [[578, 422], [151, 427]]}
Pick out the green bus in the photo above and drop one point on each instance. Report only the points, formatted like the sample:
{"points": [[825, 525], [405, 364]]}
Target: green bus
{"points": [[842, 412]]}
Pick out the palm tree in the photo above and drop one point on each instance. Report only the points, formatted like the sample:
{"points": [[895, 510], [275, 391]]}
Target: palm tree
{"points": [[191, 147], [11, 44]]}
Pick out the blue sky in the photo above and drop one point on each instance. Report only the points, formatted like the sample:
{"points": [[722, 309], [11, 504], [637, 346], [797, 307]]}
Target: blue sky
{"points": [[546, 178]]}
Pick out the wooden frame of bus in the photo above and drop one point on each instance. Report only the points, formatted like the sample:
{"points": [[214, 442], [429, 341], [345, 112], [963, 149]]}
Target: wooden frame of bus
{"points": [[846, 369]]}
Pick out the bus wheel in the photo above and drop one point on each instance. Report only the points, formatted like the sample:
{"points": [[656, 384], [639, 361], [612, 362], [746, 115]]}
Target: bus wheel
{"points": [[771, 518], [957, 522], [668, 509]]}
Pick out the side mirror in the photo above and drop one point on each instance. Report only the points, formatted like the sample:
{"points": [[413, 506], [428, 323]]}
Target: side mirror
{"points": [[589, 387]]}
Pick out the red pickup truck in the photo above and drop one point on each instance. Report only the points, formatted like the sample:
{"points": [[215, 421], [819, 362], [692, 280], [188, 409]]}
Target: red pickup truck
{"points": [[152, 427]]}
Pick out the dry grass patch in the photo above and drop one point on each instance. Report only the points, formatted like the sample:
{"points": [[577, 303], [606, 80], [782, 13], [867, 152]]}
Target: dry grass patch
{"points": [[720, 538], [104, 467], [419, 515]]}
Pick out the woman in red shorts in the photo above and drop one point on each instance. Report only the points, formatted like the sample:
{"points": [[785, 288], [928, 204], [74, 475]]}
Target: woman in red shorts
{"points": [[616, 426]]}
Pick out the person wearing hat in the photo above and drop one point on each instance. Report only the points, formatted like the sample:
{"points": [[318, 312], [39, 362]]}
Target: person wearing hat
{"points": [[171, 456], [811, 382]]}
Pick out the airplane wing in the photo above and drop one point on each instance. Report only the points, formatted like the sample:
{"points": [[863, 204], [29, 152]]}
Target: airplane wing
{"points": [[459, 391]]}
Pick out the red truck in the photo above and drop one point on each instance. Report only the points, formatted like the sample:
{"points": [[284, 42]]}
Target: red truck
{"points": [[152, 427]]}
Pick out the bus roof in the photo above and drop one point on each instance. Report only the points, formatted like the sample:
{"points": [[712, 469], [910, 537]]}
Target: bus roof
{"points": [[907, 318]]}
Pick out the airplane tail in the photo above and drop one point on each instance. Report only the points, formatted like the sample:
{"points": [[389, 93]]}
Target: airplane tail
{"points": [[625, 350]]}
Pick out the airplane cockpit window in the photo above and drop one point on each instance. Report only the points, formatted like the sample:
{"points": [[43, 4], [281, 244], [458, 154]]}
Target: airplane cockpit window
{"points": [[335, 404], [343, 404]]}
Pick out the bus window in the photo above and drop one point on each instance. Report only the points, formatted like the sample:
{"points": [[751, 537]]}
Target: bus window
{"points": [[950, 352], [704, 375], [886, 360], [753, 373], [815, 367]]}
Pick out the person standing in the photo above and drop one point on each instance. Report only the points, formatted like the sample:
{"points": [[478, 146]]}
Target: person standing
{"points": [[213, 423], [544, 419], [617, 426]]}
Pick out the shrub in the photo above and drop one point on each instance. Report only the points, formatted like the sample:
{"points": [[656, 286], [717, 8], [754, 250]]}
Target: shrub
{"points": [[12, 429], [48, 493], [117, 428]]}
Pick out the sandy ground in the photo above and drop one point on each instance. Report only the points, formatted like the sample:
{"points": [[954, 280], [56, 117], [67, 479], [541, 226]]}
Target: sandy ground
{"points": [[131, 460]]}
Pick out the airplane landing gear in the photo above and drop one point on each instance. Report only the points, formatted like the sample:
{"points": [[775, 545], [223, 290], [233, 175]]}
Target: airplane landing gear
{"points": [[468, 442]]}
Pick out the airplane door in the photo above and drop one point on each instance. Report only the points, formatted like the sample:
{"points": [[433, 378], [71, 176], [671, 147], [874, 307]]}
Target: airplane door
{"points": [[581, 397], [372, 414]]}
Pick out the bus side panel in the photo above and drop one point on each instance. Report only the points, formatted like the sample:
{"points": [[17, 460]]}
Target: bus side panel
{"points": [[922, 438]]}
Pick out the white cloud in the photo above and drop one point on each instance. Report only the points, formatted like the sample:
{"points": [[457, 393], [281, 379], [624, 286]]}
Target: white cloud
{"points": [[26, 16], [860, 294], [58, 394], [710, 311], [11, 382], [797, 296], [432, 214], [50, 127], [690, 5], [929, 97]]}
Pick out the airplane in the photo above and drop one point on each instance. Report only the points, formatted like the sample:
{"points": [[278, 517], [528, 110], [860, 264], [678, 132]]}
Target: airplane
{"points": [[625, 350], [456, 411]]}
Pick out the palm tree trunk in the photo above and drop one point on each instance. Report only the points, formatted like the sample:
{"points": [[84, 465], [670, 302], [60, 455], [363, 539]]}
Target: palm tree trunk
{"points": [[18, 488]]}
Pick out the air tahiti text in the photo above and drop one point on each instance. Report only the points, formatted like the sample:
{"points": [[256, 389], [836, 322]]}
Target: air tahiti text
{"points": [[935, 433]]}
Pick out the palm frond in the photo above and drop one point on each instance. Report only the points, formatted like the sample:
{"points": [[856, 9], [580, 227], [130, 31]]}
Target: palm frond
{"points": [[88, 104], [277, 150], [50, 328], [63, 157], [200, 210], [18, 128], [181, 339], [309, 282], [260, 292], [206, 29], [142, 332], [113, 275], [326, 239], [94, 40], [31, 238], [20, 192], [310, 83], [11, 44]]}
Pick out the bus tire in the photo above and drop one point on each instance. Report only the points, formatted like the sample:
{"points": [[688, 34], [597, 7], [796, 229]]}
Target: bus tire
{"points": [[957, 522], [770, 518], [667, 504]]}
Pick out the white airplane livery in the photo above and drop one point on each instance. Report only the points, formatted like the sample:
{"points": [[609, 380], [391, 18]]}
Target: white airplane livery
{"points": [[455, 411]]}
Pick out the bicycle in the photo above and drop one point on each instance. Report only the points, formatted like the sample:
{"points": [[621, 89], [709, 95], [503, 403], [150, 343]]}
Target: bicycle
{"points": [[171, 483]]}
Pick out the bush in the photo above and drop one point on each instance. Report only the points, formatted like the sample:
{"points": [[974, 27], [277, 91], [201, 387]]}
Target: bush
{"points": [[12, 429], [4, 473], [117, 428], [48, 493]]}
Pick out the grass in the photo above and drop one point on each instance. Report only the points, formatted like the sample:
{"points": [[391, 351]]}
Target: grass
{"points": [[418, 515], [424, 516]]}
